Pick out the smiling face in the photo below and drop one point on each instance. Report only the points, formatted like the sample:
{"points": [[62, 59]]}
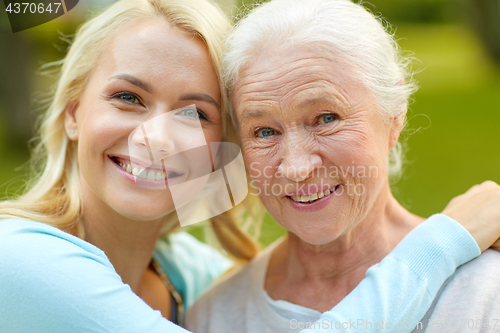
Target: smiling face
{"points": [[316, 146], [149, 69]]}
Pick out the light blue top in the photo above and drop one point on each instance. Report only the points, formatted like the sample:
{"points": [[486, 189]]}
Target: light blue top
{"points": [[51, 281], [403, 285]]}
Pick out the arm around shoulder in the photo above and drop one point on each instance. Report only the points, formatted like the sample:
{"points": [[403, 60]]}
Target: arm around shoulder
{"points": [[403, 285]]}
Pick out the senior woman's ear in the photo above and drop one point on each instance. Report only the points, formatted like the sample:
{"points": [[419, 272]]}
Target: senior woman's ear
{"points": [[397, 124], [70, 123]]}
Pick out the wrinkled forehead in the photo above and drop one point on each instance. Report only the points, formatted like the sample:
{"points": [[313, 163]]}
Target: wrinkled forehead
{"points": [[294, 75]]}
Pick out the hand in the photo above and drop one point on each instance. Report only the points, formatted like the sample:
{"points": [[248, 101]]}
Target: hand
{"points": [[478, 211]]}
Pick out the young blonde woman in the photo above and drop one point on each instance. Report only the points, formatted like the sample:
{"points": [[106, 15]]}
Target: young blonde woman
{"points": [[83, 205], [87, 250]]}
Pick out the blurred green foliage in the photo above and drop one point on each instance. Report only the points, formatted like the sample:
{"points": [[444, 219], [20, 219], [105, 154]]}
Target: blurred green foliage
{"points": [[395, 11], [422, 11]]}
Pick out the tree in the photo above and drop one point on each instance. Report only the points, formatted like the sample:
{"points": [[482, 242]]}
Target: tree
{"points": [[485, 16]]}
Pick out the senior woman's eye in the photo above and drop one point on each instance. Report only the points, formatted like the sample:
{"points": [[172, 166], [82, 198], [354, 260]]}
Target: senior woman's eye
{"points": [[128, 98], [327, 118], [264, 132]]}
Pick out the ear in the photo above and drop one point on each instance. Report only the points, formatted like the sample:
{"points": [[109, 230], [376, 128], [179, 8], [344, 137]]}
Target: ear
{"points": [[397, 124], [70, 121]]}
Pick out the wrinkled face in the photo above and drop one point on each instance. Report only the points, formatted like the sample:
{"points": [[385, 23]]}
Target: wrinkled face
{"points": [[316, 146], [154, 88]]}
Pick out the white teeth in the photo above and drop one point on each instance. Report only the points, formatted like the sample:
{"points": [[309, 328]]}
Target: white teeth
{"points": [[313, 196], [151, 175], [142, 174]]}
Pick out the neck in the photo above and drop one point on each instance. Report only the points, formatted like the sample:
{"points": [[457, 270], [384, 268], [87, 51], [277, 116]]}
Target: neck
{"points": [[128, 243], [338, 266]]}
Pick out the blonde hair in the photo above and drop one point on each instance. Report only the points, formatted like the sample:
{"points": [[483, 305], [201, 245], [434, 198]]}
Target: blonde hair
{"points": [[53, 194]]}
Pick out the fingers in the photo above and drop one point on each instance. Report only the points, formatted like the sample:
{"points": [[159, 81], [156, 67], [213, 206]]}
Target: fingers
{"points": [[478, 211], [486, 185]]}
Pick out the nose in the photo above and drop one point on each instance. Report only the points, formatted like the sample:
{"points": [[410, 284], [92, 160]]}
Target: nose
{"points": [[155, 137], [300, 159]]}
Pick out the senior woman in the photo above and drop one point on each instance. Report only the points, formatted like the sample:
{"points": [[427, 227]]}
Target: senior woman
{"points": [[319, 93]]}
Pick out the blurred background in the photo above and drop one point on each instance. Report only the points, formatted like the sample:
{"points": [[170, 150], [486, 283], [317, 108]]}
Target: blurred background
{"points": [[453, 132]]}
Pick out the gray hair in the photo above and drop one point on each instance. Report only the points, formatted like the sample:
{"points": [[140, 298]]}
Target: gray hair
{"points": [[341, 28]]}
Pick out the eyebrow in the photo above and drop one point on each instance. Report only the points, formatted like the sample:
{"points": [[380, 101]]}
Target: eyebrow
{"points": [[200, 97], [252, 114], [135, 81], [147, 87], [321, 99]]}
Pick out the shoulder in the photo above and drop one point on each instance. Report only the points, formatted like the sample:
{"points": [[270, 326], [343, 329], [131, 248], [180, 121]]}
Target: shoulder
{"points": [[473, 291], [479, 272], [35, 255], [38, 243], [190, 264], [31, 249], [45, 271], [230, 294], [230, 286], [51, 281]]}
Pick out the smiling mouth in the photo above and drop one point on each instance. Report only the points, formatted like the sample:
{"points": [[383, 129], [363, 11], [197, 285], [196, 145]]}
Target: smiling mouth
{"points": [[314, 196], [144, 173]]}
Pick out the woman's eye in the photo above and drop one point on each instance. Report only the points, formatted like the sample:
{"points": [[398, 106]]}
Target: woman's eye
{"points": [[193, 113], [264, 132], [128, 98], [327, 118]]}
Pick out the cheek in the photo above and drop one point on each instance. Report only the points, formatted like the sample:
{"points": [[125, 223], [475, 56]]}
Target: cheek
{"points": [[93, 136], [253, 161], [354, 147], [213, 133], [99, 133], [261, 163], [355, 161]]}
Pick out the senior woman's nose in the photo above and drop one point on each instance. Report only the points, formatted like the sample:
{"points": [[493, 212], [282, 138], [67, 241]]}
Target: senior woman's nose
{"points": [[299, 159]]}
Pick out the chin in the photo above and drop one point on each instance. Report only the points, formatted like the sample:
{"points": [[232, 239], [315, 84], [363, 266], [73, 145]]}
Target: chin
{"points": [[315, 228], [315, 233], [316, 238], [143, 212]]}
